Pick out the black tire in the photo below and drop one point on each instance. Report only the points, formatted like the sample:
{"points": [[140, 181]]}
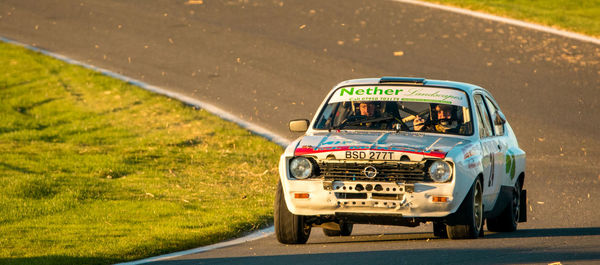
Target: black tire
{"points": [[289, 228], [439, 230], [345, 230], [509, 218], [470, 215]]}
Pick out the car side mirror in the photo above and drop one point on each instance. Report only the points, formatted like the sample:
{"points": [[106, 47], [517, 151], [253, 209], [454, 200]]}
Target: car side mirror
{"points": [[500, 119], [298, 125]]}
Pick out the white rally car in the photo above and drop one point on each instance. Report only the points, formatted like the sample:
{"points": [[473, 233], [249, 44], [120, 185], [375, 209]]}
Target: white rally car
{"points": [[402, 151]]}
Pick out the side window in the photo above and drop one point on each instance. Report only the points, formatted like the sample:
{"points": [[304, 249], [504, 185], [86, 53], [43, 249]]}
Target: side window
{"points": [[498, 129], [485, 127]]}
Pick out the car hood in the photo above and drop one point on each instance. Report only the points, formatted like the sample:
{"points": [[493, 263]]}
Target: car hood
{"points": [[415, 146]]}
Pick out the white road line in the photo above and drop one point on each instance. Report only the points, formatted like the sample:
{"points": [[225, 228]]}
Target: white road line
{"points": [[510, 21], [254, 236], [254, 128]]}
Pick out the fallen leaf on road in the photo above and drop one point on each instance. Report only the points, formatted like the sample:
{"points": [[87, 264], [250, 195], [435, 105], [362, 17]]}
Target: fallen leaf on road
{"points": [[302, 26], [194, 2]]}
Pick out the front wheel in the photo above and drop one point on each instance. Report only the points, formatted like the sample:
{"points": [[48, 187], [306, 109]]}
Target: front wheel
{"points": [[289, 228], [470, 224]]}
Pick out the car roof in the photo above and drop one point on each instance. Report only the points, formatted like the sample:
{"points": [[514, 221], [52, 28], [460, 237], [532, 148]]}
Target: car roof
{"points": [[469, 88]]}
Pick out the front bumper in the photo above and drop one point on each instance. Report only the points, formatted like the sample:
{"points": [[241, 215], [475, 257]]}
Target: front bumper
{"points": [[314, 197]]}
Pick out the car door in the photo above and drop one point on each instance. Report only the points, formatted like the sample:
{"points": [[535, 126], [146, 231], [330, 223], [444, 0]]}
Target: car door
{"points": [[492, 157], [500, 171]]}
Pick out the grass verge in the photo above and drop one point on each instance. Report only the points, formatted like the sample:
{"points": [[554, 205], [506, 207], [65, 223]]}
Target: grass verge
{"points": [[577, 15], [96, 171]]}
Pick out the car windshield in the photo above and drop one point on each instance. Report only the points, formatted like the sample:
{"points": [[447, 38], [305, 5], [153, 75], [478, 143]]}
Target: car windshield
{"points": [[414, 109]]}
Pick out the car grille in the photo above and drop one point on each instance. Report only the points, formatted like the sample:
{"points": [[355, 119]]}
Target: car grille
{"points": [[386, 172]]}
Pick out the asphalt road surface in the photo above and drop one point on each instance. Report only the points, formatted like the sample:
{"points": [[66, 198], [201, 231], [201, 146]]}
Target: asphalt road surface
{"points": [[272, 61]]}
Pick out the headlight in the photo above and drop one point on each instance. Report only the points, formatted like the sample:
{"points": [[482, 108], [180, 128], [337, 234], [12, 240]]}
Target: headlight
{"points": [[301, 167], [440, 171]]}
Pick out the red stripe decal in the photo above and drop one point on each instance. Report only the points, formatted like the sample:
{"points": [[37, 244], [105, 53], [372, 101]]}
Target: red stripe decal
{"points": [[306, 151]]}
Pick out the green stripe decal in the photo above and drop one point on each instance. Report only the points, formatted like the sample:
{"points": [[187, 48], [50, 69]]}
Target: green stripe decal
{"points": [[426, 100]]}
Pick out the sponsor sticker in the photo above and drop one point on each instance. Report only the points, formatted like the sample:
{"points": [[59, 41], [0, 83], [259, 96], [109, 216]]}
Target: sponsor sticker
{"points": [[510, 164], [394, 93]]}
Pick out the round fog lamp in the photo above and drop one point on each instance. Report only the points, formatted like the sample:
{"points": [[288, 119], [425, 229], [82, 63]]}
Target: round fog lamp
{"points": [[301, 167], [440, 171]]}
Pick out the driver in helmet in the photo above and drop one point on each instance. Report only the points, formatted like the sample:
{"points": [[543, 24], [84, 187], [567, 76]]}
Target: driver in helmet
{"points": [[444, 122], [366, 108], [383, 120]]}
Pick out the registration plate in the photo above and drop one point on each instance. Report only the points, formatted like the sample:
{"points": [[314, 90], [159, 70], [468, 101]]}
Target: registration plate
{"points": [[371, 155]]}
